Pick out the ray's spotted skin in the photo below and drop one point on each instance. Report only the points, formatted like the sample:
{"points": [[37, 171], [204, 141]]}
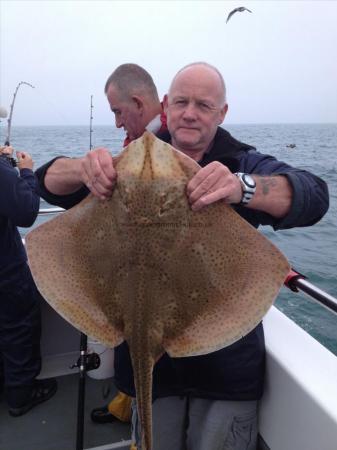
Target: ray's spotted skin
{"points": [[142, 266]]}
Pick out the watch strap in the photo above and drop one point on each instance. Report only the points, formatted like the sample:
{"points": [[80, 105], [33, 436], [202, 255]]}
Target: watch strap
{"points": [[248, 185]]}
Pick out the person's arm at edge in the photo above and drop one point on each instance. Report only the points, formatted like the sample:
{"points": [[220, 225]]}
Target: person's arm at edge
{"points": [[309, 195], [66, 176], [64, 201], [293, 197], [63, 176], [273, 195], [215, 182]]}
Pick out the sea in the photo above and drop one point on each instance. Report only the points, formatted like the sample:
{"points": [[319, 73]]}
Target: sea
{"points": [[312, 251]]}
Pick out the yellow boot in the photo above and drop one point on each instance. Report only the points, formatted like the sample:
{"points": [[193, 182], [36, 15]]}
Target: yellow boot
{"points": [[120, 407]]}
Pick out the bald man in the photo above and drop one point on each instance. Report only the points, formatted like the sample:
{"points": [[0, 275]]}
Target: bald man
{"points": [[210, 402]]}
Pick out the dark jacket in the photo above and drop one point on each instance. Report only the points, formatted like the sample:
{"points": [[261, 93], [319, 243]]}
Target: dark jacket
{"points": [[19, 206], [235, 372]]}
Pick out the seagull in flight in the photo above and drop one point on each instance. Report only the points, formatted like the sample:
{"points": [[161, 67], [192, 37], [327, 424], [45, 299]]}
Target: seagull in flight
{"points": [[240, 9]]}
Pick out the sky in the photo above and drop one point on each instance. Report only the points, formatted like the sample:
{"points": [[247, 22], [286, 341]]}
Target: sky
{"points": [[279, 62]]}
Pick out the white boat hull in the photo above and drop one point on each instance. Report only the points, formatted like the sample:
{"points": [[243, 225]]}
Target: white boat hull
{"points": [[299, 407]]}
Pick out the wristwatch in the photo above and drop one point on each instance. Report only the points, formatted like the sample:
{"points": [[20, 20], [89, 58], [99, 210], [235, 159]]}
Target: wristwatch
{"points": [[248, 187]]}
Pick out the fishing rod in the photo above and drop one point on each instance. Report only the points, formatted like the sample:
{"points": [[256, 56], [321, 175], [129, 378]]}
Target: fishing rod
{"points": [[91, 130], [86, 361], [82, 365], [9, 120]]}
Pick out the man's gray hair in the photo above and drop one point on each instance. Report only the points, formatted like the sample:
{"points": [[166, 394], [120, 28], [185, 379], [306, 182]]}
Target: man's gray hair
{"points": [[132, 79], [213, 68]]}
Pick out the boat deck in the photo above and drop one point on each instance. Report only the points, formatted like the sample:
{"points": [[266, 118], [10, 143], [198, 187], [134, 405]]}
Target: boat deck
{"points": [[52, 425]]}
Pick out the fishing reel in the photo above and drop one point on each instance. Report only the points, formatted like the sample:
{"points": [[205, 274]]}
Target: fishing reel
{"points": [[13, 161], [90, 361]]}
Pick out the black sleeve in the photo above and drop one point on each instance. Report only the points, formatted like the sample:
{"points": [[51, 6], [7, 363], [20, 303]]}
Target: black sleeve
{"points": [[64, 201], [310, 200]]}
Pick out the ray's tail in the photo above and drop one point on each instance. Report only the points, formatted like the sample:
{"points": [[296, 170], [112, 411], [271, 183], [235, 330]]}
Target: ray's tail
{"points": [[142, 372]]}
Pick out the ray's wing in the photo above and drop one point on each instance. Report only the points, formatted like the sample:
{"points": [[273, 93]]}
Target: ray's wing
{"points": [[226, 276], [72, 263]]}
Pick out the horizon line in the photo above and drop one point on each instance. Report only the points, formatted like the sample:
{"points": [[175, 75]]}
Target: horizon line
{"points": [[4, 125]]}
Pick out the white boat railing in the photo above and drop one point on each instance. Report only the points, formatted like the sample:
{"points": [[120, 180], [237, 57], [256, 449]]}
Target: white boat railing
{"points": [[296, 281], [49, 211]]}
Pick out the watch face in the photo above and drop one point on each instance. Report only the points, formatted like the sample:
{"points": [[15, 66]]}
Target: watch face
{"points": [[248, 180]]}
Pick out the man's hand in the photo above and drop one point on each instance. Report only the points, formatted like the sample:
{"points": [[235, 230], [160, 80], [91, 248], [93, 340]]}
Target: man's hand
{"points": [[25, 161], [212, 183], [98, 172], [6, 150]]}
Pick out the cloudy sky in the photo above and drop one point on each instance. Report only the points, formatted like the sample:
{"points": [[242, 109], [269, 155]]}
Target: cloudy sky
{"points": [[279, 62]]}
